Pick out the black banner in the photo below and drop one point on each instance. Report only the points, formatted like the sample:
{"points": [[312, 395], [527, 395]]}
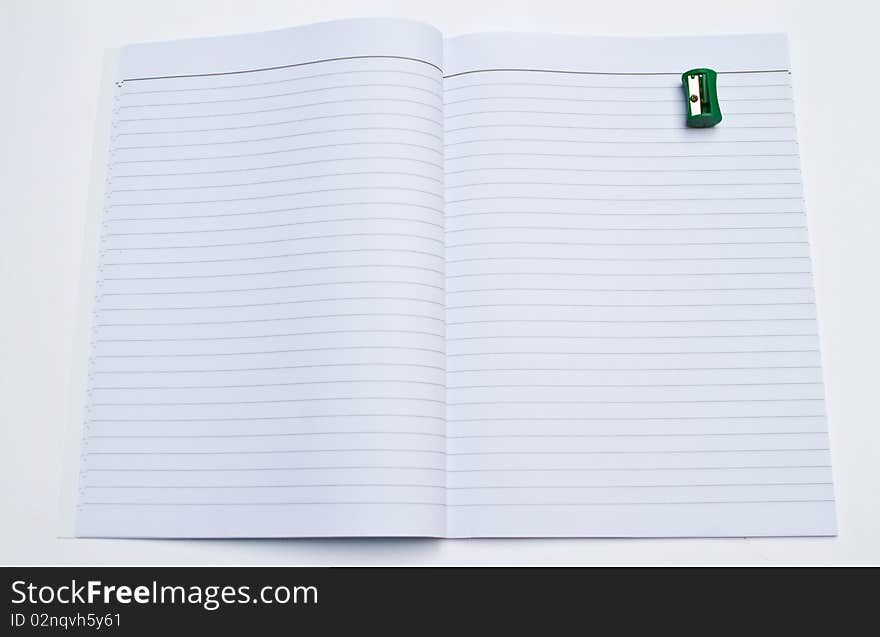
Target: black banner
{"points": [[150, 600]]}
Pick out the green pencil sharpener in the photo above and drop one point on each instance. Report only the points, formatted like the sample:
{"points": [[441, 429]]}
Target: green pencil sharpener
{"points": [[701, 98]]}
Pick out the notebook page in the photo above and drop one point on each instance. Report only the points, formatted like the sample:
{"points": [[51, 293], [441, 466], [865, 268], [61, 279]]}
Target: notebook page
{"points": [[631, 330], [268, 346]]}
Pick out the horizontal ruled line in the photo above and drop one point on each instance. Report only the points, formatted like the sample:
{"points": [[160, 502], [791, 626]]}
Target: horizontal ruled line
{"points": [[674, 74], [631, 402], [277, 181], [620, 141], [272, 196], [276, 256], [358, 266], [666, 353], [506, 111], [273, 226], [456, 387], [278, 109], [271, 303], [297, 468], [472, 488], [285, 94], [633, 418], [588, 213], [286, 240], [619, 504], [281, 81], [257, 504], [286, 66], [617, 290], [114, 162], [614, 128], [439, 435], [653, 199], [581, 184], [644, 435], [383, 485], [628, 469], [273, 401], [296, 209], [668, 88], [261, 418], [619, 229], [223, 129], [466, 307], [276, 351], [262, 369], [262, 452], [619, 244], [373, 158], [593, 156], [626, 369], [386, 129], [442, 504], [625, 386], [612, 259], [274, 319], [620, 170], [631, 274], [630, 116], [278, 435], [638, 486], [466, 437], [280, 335], [275, 287], [616, 322], [624, 337], [630, 452]]}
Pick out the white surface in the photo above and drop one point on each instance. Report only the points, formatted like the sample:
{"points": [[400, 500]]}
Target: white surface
{"points": [[559, 425], [326, 326], [595, 386], [52, 57]]}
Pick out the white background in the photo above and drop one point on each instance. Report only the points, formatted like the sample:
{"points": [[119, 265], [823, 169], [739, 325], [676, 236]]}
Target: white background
{"points": [[51, 57]]}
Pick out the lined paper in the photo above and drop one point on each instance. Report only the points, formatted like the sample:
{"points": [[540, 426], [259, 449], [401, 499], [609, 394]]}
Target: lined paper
{"points": [[356, 281], [631, 329], [268, 344]]}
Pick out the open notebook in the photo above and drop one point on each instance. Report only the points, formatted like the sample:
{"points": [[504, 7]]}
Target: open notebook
{"points": [[356, 279]]}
